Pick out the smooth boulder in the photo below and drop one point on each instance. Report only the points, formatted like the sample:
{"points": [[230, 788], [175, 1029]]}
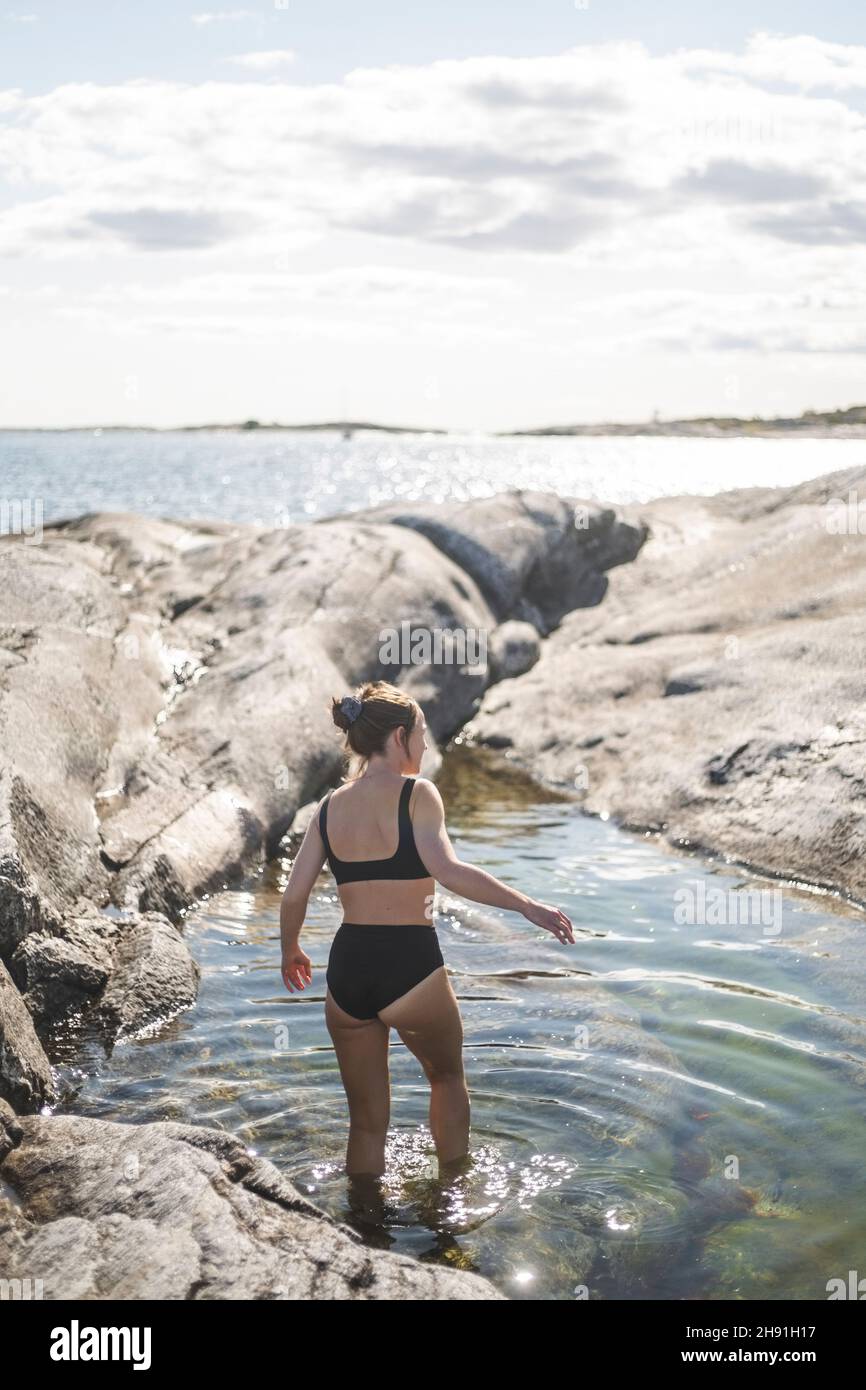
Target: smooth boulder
{"points": [[97, 1210]]}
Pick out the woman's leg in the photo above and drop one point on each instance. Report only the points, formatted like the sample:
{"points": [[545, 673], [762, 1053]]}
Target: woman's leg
{"points": [[427, 1019], [361, 1045]]}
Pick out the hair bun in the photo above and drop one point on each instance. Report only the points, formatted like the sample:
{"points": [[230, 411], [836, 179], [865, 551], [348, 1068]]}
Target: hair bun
{"points": [[344, 712], [351, 706], [373, 712]]}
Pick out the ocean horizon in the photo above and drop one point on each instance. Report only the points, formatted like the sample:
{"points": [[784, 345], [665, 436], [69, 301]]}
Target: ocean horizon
{"points": [[285, 479]]}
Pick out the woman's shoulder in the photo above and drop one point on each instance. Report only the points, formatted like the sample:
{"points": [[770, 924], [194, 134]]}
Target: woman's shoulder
{"points": [[337, 795], [426, 792]]}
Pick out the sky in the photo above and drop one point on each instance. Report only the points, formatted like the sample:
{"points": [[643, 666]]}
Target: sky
{"points": [[472, 216]]}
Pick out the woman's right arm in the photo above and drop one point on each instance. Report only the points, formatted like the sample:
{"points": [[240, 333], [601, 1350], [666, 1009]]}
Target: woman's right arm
{"points": [[437, 852]]}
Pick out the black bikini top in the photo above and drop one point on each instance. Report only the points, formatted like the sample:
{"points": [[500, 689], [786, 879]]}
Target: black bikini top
{"points": [[406, 863]]}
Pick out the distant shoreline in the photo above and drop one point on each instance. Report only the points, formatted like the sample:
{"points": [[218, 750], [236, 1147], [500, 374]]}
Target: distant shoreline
{"points": [[830, 424]]}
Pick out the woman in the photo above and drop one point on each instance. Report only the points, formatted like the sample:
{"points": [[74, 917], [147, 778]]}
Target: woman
{"points": [[385, 967]]}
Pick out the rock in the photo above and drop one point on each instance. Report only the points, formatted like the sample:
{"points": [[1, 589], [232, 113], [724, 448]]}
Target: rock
{"points": [[534, 556], [26, 1080], [154, 976], [172, 1211], [60, 972], [63, 621], [447, 694], [21, 910], [128, 972], [11, 1132], [225, 770], [718, 695], [514, 649], [293, 838]]}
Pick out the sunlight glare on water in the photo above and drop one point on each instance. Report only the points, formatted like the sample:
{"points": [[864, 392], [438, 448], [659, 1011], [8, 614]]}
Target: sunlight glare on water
{"points": [[277, 479]]}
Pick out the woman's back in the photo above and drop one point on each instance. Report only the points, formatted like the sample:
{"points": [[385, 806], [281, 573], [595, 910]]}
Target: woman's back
{"points": [[366, 827]]}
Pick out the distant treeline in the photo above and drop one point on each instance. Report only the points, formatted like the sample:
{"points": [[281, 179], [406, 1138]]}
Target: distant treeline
{"points": [[854, 416]]}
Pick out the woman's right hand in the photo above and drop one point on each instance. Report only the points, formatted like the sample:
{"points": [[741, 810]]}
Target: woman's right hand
{"points": [[296, 969], [552, 919]]}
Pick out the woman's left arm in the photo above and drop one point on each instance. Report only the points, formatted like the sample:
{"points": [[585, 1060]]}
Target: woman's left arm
{"points": [[296, 964]]}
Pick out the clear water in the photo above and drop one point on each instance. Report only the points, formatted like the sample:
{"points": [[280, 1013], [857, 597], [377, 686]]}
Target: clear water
{"points": [[600, 1155], [281, 479]]}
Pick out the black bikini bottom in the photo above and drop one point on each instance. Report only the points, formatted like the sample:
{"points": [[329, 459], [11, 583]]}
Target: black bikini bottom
{"points": [[371, 965]]}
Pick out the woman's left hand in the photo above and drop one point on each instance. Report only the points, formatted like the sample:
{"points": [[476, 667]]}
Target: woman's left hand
{"points": [[296, 970], [551, 919]]}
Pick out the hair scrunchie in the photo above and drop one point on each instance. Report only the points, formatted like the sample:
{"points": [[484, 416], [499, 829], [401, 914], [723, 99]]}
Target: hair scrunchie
{"points": [[351, 706]]}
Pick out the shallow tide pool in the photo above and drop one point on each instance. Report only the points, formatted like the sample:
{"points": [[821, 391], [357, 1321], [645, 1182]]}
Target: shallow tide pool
{"points": [[673, 1107]]}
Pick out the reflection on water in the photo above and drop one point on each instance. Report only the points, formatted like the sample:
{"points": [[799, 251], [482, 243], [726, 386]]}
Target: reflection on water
{"points": [[661, 1110], [277, 479]]}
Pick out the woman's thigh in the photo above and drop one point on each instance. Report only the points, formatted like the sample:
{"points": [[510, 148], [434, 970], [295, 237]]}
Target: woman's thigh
{"points": [[361, 1046], [427, 1019]]}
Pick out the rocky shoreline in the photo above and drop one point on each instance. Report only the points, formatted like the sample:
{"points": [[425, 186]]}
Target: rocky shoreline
{"points": [[164, 698], [718, 695], [691, 666]]}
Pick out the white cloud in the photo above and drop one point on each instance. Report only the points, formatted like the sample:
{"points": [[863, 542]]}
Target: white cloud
{"points": [[726, 322], [801, 61], [597, 150], [366, 285], [221, 16], [600, 202], [266, 61]]}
